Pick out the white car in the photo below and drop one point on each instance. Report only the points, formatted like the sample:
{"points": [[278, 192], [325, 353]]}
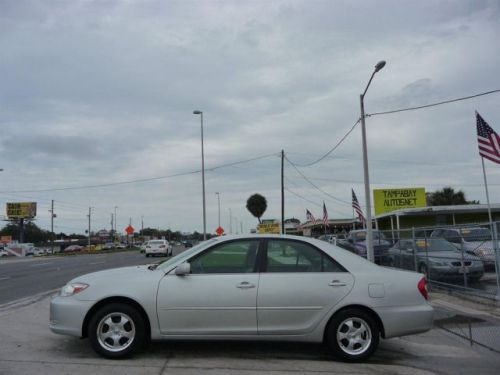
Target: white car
{"points": [[158, 247], [4, 253], [258, 287]]}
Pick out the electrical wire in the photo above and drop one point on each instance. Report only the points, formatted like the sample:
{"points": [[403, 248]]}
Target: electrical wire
{"points": [[138, 180], [432, 104]]}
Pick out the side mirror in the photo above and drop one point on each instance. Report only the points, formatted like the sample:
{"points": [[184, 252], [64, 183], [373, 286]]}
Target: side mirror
{"points": [[183, 269]]}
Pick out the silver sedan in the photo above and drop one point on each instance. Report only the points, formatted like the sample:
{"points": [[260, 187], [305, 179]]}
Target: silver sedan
{"points": [[258, 287]]}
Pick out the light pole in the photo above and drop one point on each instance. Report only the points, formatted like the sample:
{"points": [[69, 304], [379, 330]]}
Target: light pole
{"points": [[369, 232], [218, 200], [116, 234], [202, 175]]}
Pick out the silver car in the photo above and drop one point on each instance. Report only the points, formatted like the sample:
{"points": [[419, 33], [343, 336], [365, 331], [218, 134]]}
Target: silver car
{"points": [[258, 287]]}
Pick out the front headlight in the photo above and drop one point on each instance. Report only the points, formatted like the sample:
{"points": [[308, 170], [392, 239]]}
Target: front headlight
{"points": [[72, 289]]}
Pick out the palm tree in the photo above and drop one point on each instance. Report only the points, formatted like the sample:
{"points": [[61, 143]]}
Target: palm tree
{"points": [[257, 205], [447, 197]]}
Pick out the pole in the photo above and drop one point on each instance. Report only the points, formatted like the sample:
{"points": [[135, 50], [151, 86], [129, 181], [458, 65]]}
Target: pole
{"points": [[116, 220], [282, 192], [203, 182], [218, 202], [52, 227], [493, 231], [90, 210], [241, 226], [230, 222], [369, 234]]}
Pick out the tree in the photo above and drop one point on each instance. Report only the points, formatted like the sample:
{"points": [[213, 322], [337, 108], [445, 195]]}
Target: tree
{"points": [[257, 205], [447, 197]]}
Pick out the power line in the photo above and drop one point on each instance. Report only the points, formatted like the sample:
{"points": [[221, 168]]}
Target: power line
{"points": [[432, 104], [315, 186], [333, 148], [138, 180]]}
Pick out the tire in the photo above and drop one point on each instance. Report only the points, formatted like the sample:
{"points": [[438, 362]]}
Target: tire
{"points": [[128, 326], [147, 255], [352, 335]]}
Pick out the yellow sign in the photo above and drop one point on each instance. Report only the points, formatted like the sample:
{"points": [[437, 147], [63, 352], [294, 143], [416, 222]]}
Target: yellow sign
{"points": [[20, 210], [387, 200], [272, 228]]}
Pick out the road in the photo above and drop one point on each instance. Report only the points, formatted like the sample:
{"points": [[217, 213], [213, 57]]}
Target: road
{"points": [[24, 277]]}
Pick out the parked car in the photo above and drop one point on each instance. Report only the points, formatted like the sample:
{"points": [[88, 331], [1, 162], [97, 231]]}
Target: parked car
{"points": [[73, 248], [330, 238], [121, 246], [356, 242], [435, 257], [158, 247], [142, 248], [474, 240], [4, 253], [258, 287], [109, 246]]}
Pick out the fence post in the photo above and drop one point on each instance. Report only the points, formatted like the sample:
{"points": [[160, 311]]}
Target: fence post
{"points": [[415, 249], [463, 258]]}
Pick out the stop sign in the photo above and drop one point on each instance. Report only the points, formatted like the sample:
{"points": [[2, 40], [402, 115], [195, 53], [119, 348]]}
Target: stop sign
{"points": [[219, 231], [130, 230]]}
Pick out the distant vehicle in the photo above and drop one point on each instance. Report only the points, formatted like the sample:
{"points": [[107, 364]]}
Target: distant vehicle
{"points": [[356, 242], [330, 238], [158, 247], [142, 248], [109, 246], [73, 248], [476, 241], [257, 287], [121, 246], [187, 244], [435, 257], [4, 253]]}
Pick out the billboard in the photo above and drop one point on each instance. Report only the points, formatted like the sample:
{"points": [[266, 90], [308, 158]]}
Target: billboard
{"points": [[19, 210], [271, 228], [387, 200]]}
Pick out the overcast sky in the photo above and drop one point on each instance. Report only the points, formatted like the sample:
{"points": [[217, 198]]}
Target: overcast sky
{"points": [[98, 92]]}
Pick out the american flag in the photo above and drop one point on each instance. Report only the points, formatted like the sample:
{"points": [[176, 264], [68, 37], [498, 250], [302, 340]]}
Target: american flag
{"points": [[357, 208], [489, 141], [325, 215], [310, 217]]}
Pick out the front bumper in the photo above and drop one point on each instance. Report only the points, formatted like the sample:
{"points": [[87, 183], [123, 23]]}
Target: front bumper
{"points": [[67, 315]]}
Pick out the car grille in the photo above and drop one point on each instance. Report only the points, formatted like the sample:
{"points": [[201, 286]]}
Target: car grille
{"points": [[459, 264]]}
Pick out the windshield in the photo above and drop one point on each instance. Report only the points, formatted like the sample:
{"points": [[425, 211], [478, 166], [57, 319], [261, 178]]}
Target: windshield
{"points": [[361, 236], [434, 244], [476, 234], [185, 254]]}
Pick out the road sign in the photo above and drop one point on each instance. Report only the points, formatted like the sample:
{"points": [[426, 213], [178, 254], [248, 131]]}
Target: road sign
{"points": [[18, 210], [272, 228], [219, 231], [387, 200], [130, 230]]}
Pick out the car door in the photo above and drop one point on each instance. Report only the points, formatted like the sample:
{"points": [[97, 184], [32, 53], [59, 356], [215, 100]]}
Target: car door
{"points": [[218, 297], [299, 286]]}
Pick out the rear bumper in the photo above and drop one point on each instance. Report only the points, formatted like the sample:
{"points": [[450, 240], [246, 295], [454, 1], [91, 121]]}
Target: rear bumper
{"points": [[406, 320]]}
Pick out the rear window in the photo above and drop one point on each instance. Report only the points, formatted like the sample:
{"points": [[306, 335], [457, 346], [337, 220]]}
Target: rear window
{"points": [[156, 242]]}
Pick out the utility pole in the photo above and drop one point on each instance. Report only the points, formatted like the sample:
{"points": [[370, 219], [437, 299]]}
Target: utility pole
{"points": [[230, 222], [142, 228], [282, 191], [241, 225], [52, 216], [89, 215]]}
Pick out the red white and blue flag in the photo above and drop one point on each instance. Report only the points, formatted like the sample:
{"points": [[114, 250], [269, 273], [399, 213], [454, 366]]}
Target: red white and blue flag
{"points": [[488, 140], [325, 215], [357, 208], [310, 217]]}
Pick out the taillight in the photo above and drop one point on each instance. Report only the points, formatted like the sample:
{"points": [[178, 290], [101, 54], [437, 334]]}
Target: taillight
{"points": [[422, 288]]}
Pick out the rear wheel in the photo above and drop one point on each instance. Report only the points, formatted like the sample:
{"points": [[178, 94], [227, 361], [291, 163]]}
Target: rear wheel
{"points": [[116, 331], [353, 335]]}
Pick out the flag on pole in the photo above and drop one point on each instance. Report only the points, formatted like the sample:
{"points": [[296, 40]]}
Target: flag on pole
{"points": [[488, 140], [325, 215], [357, 208], [310, 217]]}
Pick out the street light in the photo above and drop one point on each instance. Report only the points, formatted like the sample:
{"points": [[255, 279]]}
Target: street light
{"points": [[369, 233], [218, 200], [202, 175]]}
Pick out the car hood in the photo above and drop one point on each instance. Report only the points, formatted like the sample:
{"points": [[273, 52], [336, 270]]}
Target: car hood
{"points": [[115, 274], [455, 255]]}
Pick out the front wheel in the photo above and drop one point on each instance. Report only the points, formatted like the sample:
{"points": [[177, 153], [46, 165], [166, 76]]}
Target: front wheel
{"points": [[116, 331], [353, 335]]}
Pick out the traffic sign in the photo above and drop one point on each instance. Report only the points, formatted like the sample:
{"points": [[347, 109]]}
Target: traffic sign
{"points": [[219, 231], [130, 230]]}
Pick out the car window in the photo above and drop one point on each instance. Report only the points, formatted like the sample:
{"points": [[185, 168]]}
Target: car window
{"points": [[294, 256], [231, 257]]}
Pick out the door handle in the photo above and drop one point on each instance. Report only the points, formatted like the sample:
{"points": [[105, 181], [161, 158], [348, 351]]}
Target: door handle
{"points": [[245, 285], [337, 283]]}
